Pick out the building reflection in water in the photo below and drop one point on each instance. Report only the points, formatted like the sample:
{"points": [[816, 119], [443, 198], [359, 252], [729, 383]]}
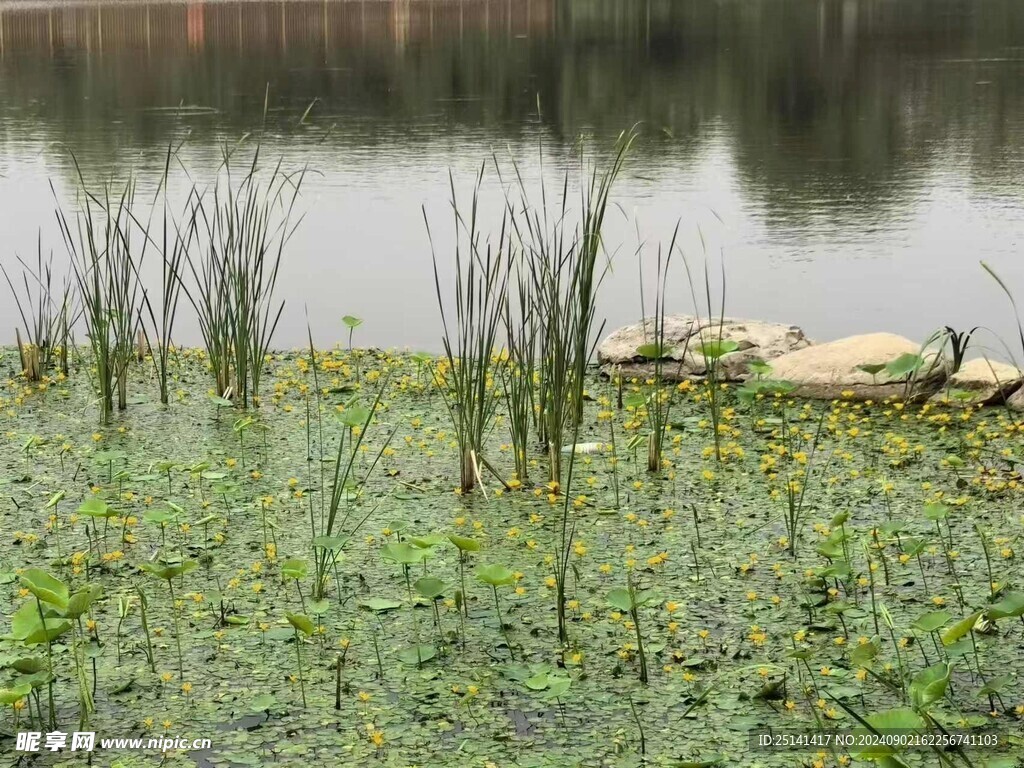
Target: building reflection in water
{"points": [[108, 28]]}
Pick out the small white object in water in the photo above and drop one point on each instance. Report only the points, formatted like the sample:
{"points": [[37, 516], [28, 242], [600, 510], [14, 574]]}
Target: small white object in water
{"points": [[584, 448]]}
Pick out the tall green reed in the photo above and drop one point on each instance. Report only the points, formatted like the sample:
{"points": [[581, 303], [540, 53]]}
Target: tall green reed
{"points": [[796, 442], [338, 521], [1013, 302]]}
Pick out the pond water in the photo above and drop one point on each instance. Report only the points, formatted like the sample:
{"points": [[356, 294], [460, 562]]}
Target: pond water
{"points": [[852, 159]]}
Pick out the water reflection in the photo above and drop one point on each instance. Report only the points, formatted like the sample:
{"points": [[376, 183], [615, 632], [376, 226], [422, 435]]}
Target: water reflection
{"points": [[860, 154]]}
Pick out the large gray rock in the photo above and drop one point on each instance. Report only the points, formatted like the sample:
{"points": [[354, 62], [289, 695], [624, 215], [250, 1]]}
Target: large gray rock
{"points": [[832, 370], [684, 334], [981, 382], [1016, 400]]}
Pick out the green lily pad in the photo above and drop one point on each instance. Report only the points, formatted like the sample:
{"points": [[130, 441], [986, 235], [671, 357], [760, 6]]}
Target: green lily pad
{"points": [[417, 654]]}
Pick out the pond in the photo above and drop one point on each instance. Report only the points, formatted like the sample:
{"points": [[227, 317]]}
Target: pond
{"points": [[363, 551], [851, 160]]}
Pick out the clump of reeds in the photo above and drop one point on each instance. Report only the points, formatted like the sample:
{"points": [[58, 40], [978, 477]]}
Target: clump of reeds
{"points": [[567, 261], [101, 243], [469, 386], [520, 372], [177, 237], [47, 313], [713, 345], [577, 310], [552, 257], [564, 260], [658, 403], [246, 226]]}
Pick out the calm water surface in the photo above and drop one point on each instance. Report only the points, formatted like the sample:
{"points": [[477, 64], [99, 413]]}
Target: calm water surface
{"points": [[852, 159]]}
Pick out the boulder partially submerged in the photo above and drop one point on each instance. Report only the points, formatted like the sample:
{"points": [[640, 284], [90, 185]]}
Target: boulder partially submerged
{"points": [[981, 382], [872, 366], [684, 334]]}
